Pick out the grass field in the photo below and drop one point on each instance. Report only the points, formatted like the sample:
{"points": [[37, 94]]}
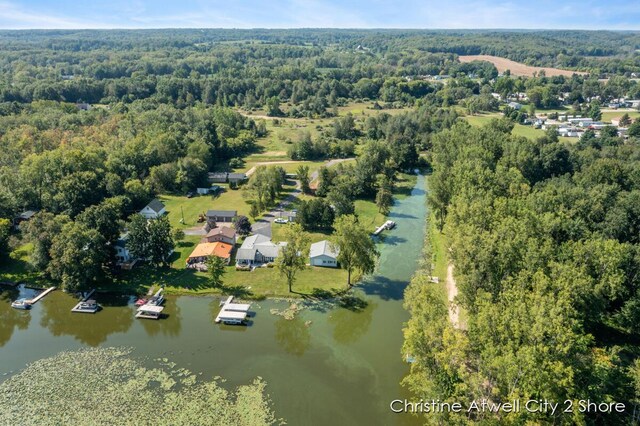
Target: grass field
{"points": [[518, 129], [607, 116], [516, 68]]}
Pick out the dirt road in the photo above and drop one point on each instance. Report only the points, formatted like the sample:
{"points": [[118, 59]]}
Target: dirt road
{"points": [[452, 292]]}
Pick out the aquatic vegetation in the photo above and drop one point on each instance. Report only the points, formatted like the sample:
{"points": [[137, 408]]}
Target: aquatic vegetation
{"points": [[106, 386]]}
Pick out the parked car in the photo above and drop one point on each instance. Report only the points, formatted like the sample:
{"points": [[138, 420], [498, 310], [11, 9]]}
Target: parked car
{"points": [[190, 194], [281, 220]]}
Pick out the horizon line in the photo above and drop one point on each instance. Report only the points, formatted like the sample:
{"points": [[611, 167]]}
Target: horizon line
{"points": [[319, 28]]}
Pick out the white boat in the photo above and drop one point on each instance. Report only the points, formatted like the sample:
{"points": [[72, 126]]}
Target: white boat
{"points": [[156, 299], [88, 306], [21, 304]]}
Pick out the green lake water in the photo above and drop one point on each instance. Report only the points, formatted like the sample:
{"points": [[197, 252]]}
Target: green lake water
{"points": [[342, 368]]}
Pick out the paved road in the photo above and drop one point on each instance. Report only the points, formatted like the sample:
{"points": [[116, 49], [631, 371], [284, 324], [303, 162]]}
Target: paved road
{"points": [[263, 225]]}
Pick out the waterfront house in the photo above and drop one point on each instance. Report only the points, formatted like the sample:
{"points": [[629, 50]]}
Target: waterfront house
{"points": [[257, 249], [204, 251], [323, 253]]}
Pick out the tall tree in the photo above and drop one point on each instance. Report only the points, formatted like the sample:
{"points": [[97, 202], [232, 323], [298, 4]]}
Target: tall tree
{"points": [[138, 240], [292, 257], [357, 250], [40, 231], [303, 177], [215, 270], [5, 227], [77, 255], [160, 240], [384, 196]]}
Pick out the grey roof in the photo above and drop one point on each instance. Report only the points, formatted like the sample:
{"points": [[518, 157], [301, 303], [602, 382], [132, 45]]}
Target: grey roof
{"points": [[258, 243], [222, 230], [323, 248], [251, 241], [246, 254], [236, 176], [222, 213], [156, 205], [218, 174], [28, 214]]}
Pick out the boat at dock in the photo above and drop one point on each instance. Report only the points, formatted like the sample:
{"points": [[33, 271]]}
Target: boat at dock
{"points": [[141, 301], [21, 304], [387, 225], [156, 299], [233, 313], [149, 311], [87, 305]]}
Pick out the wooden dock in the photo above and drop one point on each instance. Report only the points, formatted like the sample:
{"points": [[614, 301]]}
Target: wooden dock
{"points": [[40, 296]]}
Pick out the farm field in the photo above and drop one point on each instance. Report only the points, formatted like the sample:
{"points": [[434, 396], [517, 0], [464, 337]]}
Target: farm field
{"points": [[516, 68]]}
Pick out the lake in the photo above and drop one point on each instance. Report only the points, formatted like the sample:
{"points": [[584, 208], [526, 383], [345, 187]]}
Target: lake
{"points": [[328, 366]]}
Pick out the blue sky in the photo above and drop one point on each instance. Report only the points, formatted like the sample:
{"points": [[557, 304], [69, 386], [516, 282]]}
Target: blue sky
{"points": [[571, 14]]}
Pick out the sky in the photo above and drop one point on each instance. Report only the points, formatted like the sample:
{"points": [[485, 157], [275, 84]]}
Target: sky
{"points": [[536, 14]]}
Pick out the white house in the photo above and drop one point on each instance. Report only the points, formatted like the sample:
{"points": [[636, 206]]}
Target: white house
{"points": [[257, 249], [323, 254], [153, 210], [122, 253]]}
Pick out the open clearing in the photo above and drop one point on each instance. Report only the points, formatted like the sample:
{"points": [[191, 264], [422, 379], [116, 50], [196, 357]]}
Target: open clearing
{"points": [[517, 68]]}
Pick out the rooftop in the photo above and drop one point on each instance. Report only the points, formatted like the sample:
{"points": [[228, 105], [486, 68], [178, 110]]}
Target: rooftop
{"points": [[323, 248], [156, 205], [222, 213], [218, 249], [225, 231]]}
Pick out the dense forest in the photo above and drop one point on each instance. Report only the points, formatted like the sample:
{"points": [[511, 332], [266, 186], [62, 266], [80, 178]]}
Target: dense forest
{"points": [[545, 239]]}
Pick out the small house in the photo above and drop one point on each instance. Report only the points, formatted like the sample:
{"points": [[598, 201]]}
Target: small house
{"points": [[220, 216], [223, 234], [323, 253], [218, 177], [204, 251], [122, 253], [515, 105], [257, 249], [236, 178], [25, 216], [153, 210]]}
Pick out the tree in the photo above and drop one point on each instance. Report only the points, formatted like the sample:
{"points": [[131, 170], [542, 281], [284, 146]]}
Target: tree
{"points": [[634, 129], [594, 110], [303, 177], [138, 241], [5, 227], [315, 215], [160, 240], [242, 226], [215, 270], [254, 211], [178, 235], [273, 107], [356, 248], [384, 196], [625, 120], [292, 257], [77, 255], [40, 231]]}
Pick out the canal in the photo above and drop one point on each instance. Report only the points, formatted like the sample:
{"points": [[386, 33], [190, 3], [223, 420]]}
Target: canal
{"points": [[328, 366]]}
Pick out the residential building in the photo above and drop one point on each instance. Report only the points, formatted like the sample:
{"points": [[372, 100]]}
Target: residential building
{"points": [[223, 234], [122, 253], [257, 249], [204, 251], [25, 216], [323, 253], [220, 216], [153, 210]]}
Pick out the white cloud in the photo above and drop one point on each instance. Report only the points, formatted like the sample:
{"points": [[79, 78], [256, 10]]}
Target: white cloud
{"points": [[15, 17]]}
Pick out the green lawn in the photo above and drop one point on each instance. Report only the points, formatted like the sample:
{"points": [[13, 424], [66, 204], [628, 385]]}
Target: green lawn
{"points": [[17, 268], [177, 205], [607, 116], [518, 129]]}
